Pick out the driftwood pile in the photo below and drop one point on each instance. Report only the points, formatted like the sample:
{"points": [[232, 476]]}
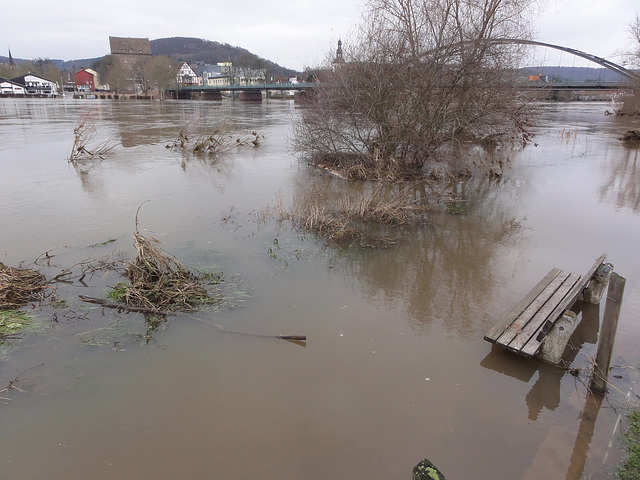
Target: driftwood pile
{"points": [[157, 281], [19, 286]]}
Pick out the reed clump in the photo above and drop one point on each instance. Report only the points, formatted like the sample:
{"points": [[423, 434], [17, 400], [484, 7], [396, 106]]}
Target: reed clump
{"points": [[356, 221], [19, 286], [157, 281]]}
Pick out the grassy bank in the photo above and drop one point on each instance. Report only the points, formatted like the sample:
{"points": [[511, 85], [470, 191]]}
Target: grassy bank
{"points": [[630, 469]]}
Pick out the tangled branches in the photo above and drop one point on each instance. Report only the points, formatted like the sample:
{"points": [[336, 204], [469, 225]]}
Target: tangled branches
{"points": [[19, 286], [158, 281], [212, 141], [84, 145]]}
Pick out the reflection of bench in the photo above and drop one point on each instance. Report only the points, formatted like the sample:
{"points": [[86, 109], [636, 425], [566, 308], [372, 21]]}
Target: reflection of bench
{"points": [[524, 329]]}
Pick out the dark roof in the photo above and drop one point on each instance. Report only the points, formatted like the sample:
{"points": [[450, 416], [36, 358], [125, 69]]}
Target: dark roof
{"points": [[129, 46], [210, 69], [2, 79], [20, 80]]}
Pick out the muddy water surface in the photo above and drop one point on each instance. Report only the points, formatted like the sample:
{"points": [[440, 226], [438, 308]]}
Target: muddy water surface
{"points": [[394, 369]]}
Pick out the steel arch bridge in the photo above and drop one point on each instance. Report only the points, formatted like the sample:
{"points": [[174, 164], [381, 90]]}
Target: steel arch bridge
{"points": [[625, 72]]}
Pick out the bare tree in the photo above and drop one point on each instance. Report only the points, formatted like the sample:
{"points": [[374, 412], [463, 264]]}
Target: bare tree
{"points": [[633, 55], [422, 77], [161, 73], [631, 101], [117, 78]]}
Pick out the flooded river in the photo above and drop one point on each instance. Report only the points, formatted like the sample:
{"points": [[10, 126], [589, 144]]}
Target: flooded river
{"points": [[394, 368]]}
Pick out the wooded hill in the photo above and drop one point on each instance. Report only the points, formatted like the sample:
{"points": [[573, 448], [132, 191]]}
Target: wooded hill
{"points": [[195, 51]]}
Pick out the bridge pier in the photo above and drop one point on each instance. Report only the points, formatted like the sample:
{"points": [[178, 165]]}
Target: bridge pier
{"points": [[250, 96], [211, 95]]}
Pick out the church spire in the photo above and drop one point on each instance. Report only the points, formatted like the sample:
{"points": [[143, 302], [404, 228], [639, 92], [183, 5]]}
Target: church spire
{"points": [[339, 58]]}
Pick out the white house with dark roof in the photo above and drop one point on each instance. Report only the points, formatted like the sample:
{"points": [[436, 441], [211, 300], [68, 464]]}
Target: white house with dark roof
{"points": [[37, 85], [8, 87], [186, 76]]}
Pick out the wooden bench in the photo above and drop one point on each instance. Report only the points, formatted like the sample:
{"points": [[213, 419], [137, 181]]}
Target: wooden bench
{"points": [[524, 328]]}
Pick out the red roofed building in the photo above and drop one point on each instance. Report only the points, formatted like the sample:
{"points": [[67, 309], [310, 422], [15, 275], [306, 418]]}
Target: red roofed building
{"points": [[86, 80]]}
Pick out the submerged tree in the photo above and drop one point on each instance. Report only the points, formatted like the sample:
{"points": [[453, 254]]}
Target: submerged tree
{"points": [[422, 77]]}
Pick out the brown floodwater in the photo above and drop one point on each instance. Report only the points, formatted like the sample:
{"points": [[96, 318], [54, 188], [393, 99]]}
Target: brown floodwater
{"points": [[395, 368]]}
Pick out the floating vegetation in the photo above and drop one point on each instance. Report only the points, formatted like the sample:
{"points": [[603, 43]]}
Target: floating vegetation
{"points": [[85, 144], [19, 286], [118, 292], [359, 221], [158, 281], [60, 304], [11, 323]]}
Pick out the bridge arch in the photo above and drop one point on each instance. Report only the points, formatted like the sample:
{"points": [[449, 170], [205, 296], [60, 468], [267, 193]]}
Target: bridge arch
{"points": [[619, 69]]}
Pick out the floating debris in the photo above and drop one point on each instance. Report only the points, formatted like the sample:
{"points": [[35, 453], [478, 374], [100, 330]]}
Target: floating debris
{"points": [[19, 286], [158, 281], [631, 136]]}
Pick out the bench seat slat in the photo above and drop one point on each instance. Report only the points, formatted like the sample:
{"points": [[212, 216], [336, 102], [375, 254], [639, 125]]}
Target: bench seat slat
{"points": [[531, 310], [545, 313], [567, 302], [499, 328]]}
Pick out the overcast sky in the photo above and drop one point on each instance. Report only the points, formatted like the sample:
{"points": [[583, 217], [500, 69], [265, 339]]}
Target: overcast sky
{"points": [[290, 34]]}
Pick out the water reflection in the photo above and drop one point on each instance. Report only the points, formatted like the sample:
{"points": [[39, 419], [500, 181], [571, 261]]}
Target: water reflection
{"points": [[442, 272], [90, 183], [546, 390], [546, 393], [622, 182]]}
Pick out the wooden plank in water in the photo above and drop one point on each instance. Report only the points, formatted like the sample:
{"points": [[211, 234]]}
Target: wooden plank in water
{"points": [[529, 313], [545, 313], [533, 345], [499, 328]]}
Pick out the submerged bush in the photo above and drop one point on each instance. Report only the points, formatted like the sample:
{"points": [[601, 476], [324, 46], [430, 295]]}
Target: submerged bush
{"points": [[421, 78]]}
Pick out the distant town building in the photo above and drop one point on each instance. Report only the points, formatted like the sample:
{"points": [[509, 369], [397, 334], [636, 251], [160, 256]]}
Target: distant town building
{"points": [[9, 87], [37, 85], [186, 77], [215, 75], [130, 52], [86, 80], [248, 76]]}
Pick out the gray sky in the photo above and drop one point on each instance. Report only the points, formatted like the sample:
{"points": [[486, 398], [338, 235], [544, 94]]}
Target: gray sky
{"points": [[291, 35]]}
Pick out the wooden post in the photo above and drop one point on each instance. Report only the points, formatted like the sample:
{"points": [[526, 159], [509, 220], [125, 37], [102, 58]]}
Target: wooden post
{"points": [[607, 333]]}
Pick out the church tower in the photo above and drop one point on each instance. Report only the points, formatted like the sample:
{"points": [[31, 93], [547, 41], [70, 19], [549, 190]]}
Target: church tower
{"points": [[339, 58]]}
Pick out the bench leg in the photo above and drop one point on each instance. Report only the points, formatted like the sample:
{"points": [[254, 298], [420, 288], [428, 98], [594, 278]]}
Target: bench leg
{"points": [[597, 285], [556, 340]]}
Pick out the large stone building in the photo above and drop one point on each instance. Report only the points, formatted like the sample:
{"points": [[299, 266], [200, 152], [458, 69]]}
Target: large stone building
{"points": [[130, 52]]}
